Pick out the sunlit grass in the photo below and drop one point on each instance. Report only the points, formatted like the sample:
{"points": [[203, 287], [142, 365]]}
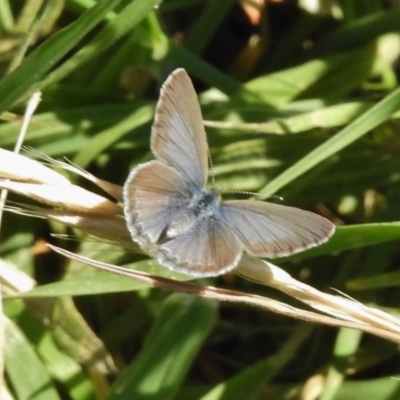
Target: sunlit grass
{"points": [[300, 105]]}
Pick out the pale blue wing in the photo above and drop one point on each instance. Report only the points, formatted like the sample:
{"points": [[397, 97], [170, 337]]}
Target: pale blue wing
{"points": [[154, 194], [178, 137], [208, 248], [273, 230]]}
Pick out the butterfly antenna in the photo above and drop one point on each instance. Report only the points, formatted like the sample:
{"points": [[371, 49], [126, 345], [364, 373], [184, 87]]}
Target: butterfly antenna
{"points": [[273, 197], [211, 169]]}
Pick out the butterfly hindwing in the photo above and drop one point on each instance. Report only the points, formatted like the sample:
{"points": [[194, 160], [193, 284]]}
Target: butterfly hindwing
{"points": [[209, 248]]}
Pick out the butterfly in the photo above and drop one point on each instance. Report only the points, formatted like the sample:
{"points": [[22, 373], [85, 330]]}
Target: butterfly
{"points": [[173, 216]]}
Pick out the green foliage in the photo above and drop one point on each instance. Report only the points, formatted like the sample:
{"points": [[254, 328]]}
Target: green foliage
{"points": [[303, 105]]}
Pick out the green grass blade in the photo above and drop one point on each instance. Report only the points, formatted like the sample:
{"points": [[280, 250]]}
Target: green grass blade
{"points": [[122, 24], [27, 76], [347, 344], [362, 125], [6, 17], [207, 25], [360, 31], [29, 378], [177, 335], [355, 236], [105, 139]]}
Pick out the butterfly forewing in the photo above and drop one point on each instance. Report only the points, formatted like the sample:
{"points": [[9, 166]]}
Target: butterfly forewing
{"points": [[178, 136], [209, 248], [154, 194], [272, 230]]}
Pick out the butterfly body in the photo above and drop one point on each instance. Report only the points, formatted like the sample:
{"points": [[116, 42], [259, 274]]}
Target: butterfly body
{"points": [[173, 216], [204, 204]]}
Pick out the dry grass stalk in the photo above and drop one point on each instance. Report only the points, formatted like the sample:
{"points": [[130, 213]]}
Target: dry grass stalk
{"points": [[95, 214]]}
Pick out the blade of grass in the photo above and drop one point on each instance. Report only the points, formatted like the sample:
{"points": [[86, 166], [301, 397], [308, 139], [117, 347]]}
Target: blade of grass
{"points": [[181, 328], [347, 344], [360, 31], [26, 77], [109, 136], [123, 23], [377, 389], [379, 113], [375, 281], [249, 384], [60, 366], [93, 282], [28, 38], [26, 371], [355, 236], [6, 17], [207, 24], [203, 70]]}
